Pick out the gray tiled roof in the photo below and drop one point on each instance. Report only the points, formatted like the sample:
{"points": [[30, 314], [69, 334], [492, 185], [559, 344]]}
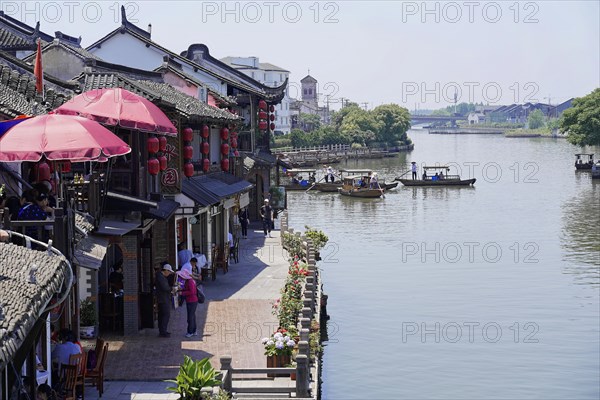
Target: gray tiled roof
{"points": [[9, 40], [71, 48], [189, 106], [22, 302], [83, 223]]}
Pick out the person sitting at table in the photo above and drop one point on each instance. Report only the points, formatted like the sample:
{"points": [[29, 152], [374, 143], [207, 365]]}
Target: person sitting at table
{"points": [[64, 350]]}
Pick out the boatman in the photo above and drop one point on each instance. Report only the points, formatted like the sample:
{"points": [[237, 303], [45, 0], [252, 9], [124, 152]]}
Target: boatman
{"points": [[414, 170], [330, 174]]}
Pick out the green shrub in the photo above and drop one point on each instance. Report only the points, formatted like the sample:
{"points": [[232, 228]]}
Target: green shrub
{"points": [[192, 377]]}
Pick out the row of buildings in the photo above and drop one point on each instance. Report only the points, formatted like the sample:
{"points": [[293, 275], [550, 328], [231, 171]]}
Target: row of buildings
{"points": [[124, 213], [515, 113]]}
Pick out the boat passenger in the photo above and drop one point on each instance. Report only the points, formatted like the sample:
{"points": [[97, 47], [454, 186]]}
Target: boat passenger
{"points": [[435, 177], [374, 183], [295, 181], [326, 174], [441, 176], [312, 178], [330, 174], [424, 176]]}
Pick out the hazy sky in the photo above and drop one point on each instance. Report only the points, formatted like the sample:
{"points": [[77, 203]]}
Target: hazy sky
{"points": [[417, 54]]}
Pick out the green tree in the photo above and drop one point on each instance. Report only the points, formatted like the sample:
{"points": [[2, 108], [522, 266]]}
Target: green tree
{"points": [[310, 122], [337, 117], [582, 121], [393, 121], [299, 138], [535, 119], [361, 120]]}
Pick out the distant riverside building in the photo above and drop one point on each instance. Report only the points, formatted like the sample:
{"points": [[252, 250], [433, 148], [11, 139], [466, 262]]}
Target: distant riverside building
{"points": [[269, 75], [309, 104]]}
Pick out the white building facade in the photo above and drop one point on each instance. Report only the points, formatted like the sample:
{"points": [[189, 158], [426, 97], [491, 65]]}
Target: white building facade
{"points": [[269, 75]]}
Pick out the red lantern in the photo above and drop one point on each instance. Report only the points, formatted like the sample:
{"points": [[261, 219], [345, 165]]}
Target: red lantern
{"points": [[234, 135], [205, 164], [205, 148], [272, 117], [272, 108], [153, 166], [162, 143], [188, 170], [225, 164], [162, 162], [43, 171], [224, 149], [188, 152], [262, 105], [272, 126], [224, 133], [188, 134], [66, 166], [262, 125], [236, 153], [153, 145], [205, 131], [262, 115], [234, 143]]}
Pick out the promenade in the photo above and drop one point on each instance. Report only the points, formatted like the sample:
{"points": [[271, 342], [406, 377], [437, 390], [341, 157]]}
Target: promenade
{"points": [[232, 321]]}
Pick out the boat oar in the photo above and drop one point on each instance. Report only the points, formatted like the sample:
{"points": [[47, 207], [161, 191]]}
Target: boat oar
{"points": [[398, 177], [379, 186], [313, 185]]}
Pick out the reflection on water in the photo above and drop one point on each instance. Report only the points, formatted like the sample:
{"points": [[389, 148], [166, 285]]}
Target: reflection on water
{"points": [[581, 234], [383, 269]]}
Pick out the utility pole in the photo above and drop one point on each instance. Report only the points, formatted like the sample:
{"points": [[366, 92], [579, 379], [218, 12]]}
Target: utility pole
{"points": [[365, 105], [342, 99]]}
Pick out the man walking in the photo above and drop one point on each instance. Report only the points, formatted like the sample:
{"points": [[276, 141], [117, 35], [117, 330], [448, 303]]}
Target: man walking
{"points": [[266, 213], [163, 296], [414, 170]]}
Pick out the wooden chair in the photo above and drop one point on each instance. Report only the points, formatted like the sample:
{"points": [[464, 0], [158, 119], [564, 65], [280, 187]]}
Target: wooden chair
{"points": [[96, 375], [234, 254], [79, 361], [70, 374]]}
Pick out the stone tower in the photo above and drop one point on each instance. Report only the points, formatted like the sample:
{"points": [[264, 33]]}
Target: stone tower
{"points": [[309, 91]]}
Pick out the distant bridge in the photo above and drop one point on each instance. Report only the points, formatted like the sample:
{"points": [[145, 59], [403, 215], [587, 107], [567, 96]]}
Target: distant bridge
{"points": [[424, 119]]}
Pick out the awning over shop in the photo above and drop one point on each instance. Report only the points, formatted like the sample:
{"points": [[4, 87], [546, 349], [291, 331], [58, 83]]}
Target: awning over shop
{"points": [[207, 190], [90, 252], [164, 211], [115, 228], [195, 190]]}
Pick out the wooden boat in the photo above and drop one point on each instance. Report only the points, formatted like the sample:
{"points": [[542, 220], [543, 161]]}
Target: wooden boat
{"points": [[358, 186], [596, 171], [439, 179], [328, 187], [584, 161], [299, 179], [333, 187]]}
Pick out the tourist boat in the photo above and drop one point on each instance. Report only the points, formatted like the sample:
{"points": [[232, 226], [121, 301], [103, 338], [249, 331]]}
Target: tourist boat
{"points": [[584, 161], [437, 178], [333, 187], [298, 179], [358, 186], [596, 173]]}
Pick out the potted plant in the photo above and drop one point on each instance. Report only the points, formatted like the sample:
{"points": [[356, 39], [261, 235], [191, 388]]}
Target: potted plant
{"points": [[319, 240], [87, 319], [278, 349], [193, 377]]}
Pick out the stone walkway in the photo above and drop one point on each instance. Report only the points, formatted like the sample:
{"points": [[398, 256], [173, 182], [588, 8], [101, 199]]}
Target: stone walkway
{"points": [[233, 320]]}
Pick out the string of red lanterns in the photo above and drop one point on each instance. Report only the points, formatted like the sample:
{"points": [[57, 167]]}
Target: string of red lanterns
{"points": [[188, 152], [205, 148]]}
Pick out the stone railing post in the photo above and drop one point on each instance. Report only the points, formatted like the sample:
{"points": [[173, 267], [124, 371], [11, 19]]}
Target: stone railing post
{"points": [[306, 313], [227, 372], [302, 376]]}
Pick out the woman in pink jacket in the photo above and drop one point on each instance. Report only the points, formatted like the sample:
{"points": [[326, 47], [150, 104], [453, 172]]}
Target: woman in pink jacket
{"points": [[189, 292]]}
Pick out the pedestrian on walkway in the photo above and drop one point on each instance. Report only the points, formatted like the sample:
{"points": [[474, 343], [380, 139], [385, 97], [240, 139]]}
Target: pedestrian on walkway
{"points": [[189, 292], [163, 297], [243, 218], [266, 213]]}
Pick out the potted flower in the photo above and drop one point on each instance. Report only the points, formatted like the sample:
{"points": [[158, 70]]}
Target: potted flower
{"points": [[87, 319], [278, 349]]}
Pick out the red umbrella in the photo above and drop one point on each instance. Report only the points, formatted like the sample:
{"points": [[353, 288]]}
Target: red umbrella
{"points": [[117, 106], [59, 137]]}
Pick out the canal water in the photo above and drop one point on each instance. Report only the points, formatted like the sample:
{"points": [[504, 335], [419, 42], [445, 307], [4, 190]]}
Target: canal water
{"points": [[464, 293]]}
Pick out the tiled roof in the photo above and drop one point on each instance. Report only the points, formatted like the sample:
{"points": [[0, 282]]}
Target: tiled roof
{"points": [[18, 95], [8, 40], [21, 301], [71, 48], [83, 223], [189, 106]]}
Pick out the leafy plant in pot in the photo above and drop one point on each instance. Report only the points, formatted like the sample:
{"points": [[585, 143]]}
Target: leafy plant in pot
{"points": [[87, 319]]}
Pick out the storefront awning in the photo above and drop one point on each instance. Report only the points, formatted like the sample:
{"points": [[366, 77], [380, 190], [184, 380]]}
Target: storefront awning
{"points": [[164, 211], [225, 185], [195, 190], [90, 252], [115, 228]]}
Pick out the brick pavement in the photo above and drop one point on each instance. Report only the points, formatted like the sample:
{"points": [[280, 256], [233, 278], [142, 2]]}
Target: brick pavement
{"points": [[236, 315]]}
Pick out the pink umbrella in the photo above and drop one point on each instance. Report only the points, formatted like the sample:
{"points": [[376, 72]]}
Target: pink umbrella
{"points": [[117, 106], [59, 137]]}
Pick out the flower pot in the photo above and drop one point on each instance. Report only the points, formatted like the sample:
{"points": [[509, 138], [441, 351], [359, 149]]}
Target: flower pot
{"points": [[87, 332], [278, 361], [293, 376]]}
